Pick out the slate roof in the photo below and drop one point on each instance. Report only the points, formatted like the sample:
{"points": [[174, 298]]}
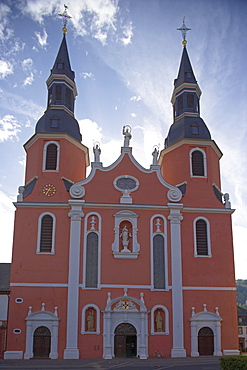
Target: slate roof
{"points": [[63, 56], [185, 73], [4, 277]]}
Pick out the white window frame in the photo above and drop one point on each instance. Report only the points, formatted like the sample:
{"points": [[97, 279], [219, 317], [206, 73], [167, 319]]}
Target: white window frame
{"points": [[209, 255], [86, 232], [84, 310], [204, 162], [166, 323], [53, 233], [44, 156], [164, 234]]}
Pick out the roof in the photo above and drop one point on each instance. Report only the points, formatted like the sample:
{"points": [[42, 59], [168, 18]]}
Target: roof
{"points": [[5, 277], [185, 73], [63, 58]]}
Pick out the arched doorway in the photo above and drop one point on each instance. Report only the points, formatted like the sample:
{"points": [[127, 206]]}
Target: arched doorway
{"points": [[125, 341], [42, 342], [205, 341]]}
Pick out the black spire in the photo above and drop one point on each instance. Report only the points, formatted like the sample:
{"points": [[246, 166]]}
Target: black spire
{"points": [[59, 116]]}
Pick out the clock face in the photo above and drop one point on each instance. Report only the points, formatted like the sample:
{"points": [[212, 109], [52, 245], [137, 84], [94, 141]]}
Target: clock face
{"points": [[49, 190]]}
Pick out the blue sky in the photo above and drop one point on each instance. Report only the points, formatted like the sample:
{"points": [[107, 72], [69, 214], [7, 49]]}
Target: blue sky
{"points": [[126, 55]]}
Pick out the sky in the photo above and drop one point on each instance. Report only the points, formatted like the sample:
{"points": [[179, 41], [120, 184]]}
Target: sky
{"points": [[125, 55]]}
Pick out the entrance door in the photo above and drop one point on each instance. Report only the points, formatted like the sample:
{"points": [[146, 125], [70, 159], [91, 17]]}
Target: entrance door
{"points": [[205, 342], [125, 341], [42, 342]]}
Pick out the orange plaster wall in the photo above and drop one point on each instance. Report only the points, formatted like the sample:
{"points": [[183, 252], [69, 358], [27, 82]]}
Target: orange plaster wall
{"points": [[27, 265], [221, 265]]}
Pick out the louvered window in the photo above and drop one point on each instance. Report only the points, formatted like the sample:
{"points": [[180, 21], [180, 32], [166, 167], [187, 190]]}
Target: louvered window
{"points": [[46, 233], [92, 260], [68, 96], [51, 157], [197, 163], [180, 103], [190, 101], [158, 262], [201, 238], [58, 92]]}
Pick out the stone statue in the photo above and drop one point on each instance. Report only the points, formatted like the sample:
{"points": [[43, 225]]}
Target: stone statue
{"points": [[155, 156], [90, 321], [158, 321], [97, 152], [127, 135], [125, 238]]}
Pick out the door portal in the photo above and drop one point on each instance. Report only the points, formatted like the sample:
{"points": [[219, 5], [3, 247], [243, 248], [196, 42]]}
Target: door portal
{"points": [[125, 341], [206, 342], [42, 342]]}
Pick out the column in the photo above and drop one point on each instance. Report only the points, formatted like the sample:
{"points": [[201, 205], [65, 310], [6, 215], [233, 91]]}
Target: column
{"points": [[175, 218], [72, 351]]}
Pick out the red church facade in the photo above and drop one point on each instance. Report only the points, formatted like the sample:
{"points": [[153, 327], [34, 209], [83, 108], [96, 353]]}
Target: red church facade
{"points": [[127, 261]]}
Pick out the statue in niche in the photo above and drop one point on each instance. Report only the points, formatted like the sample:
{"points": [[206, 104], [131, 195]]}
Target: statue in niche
{"points": [[158, 321], [125, 238], [127, 135], [97, 152], [90, 321], [155, 156]]}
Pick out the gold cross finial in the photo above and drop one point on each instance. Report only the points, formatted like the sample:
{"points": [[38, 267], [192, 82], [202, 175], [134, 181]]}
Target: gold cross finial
{"points": [[184, 30], [65, 19]]}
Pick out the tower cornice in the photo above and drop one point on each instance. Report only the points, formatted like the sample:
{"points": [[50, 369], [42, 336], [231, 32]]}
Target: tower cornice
{"points": [[182, 88], [62, 78]]}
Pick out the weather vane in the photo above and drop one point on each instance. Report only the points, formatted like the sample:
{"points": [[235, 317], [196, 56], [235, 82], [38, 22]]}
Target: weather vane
{"points": [[65, 18], [184, 30]]}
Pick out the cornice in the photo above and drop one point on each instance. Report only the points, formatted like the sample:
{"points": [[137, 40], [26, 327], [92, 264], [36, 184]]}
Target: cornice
{"points": [[64, 78], [194, 142], [183, 87]]}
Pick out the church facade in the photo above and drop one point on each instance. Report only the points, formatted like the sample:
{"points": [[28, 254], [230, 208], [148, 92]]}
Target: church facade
{"points": [[128, 261]]}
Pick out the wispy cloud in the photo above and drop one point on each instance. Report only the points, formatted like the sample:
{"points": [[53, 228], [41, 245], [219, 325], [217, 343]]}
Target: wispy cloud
{"points": [[6, 68], [5, 32], [42, 39], [135, 98], [29, 80], [27, 64], [127, 34], [9, 128], [17, 104], [87, 75]]}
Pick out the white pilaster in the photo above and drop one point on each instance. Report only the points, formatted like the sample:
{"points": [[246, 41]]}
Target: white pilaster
{"points": [[72, 351], [175, 218]]}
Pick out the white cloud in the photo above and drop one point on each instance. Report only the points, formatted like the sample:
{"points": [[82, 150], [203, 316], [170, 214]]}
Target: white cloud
{"points": [[9, 128], [5, 32], [135, 98], [134, 115], [87, 75], [6, 68], [42, 39], [29, 80], [17, 104], [128, 33], [27, 64]]}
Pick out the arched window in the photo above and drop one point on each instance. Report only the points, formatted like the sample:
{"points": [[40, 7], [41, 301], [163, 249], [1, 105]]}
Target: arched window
{"points": [[46, 232], [68, 96], [92, 260], [51, 156], [198, 162], [190, 101], [58, 92], [202, 237]]}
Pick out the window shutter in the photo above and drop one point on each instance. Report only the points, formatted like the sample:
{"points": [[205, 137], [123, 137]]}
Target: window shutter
{"points": [[158, 262], [197, 163], [201, 238], [92, 261], [46, 234], [51, 157]]}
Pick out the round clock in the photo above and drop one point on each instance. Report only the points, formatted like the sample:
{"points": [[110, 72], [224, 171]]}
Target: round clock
{"points": [[49, 190]]}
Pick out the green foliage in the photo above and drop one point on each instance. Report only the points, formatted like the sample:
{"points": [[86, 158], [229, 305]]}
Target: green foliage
{"points": [[233, 363], [241, 292]]}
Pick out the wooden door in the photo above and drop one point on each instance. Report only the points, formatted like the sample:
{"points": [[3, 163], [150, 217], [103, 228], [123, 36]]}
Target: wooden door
{"points": [[42, 342], [205, 342], [125, 341]]}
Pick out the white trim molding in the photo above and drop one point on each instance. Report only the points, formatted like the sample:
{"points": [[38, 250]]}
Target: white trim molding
{"points": [[45, 153], [205, 319], [209, 254], [166, 323], [53, 233], [84, 310], [204, 162]]}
